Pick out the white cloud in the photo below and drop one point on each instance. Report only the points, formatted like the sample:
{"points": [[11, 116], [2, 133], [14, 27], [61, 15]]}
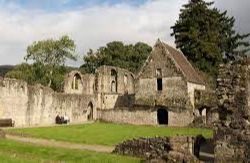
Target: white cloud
{"points": [[90, 27]]}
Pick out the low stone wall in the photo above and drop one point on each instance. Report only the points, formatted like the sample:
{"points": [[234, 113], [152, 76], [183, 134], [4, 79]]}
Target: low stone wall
{"points": [[143, 116], [38, 105], [180, 119], [159, 147], [137, 117]]}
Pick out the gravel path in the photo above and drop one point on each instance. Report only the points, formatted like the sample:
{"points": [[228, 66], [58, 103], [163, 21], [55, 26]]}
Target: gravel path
{"points": [[61, 144]]}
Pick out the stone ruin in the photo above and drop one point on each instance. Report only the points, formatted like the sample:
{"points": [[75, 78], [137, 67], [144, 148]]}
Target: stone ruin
{"points": [[229, 107], [159, 149], [232, 132]]}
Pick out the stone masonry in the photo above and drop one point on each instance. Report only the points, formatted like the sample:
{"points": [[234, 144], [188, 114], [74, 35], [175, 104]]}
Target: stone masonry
{"points": [[233, 129], [166, 85]]}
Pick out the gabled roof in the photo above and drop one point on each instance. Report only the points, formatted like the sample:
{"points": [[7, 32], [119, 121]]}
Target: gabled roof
{"points": [[180, 62]]}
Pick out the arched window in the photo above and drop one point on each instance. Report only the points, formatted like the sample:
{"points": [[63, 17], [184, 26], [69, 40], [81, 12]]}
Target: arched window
{"points": [[125, 80], [90, 111], [125, 83], [113, 86], [113, 81], [76, 82]]}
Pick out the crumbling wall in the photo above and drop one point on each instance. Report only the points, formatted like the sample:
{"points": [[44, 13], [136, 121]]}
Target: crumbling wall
{"points": [[39, 105], [111, 101], [13, 100], [85, 85], [124, 81], [233, 129], [177, 149], [143, 116], [126, 115]]}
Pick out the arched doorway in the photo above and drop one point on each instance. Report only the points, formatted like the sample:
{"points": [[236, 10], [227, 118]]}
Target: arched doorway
{"points": [[90, 112], [162, 116]]}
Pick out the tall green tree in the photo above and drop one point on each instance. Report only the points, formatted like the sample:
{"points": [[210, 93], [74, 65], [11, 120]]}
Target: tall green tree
{"points": [[206, 35], [116, 53], [52, 54]]}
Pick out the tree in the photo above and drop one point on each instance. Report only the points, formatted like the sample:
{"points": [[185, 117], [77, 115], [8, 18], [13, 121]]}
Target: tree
{"points": [[51, 53], [206, 35], [36, 74], [115, 53]]}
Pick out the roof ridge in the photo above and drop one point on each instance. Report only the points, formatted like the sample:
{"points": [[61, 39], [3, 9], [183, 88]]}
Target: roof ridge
{"points": [[172, 58], [187, 61]]}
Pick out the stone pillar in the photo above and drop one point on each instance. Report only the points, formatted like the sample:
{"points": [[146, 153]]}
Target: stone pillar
{"points": [[232, 132]]}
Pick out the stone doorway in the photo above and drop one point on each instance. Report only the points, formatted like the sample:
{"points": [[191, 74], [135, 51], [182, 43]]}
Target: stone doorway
{"points": [[162, 116], [90, 112]]}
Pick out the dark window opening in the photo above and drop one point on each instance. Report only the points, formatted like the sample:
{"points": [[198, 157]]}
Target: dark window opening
{"points": [[113, 86], [162, 116], [159, 84], [90, 111], [114, 81]]}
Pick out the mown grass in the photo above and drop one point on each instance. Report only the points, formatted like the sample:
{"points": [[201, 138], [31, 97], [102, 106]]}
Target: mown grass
{"points": [[11, 151], [107, 133]]}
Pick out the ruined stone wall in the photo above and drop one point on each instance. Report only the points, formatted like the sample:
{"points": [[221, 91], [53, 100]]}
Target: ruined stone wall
{"points": [[38, 105], [125, 80], [124, 115], [143, 116], [233, 129], [111, 101], [174, 94], [178, 149], [85, 85], [13, 100], [69, 83], [108, 99], [180, 119]]}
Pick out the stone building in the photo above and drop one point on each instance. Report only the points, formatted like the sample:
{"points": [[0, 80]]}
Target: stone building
{"points": [[161, 93], [168, 81]]}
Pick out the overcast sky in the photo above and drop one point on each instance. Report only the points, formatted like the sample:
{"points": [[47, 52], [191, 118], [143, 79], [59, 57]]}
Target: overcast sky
{"points": [[94, 23]]}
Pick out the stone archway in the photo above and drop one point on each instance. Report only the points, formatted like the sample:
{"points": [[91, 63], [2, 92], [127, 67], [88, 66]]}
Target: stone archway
{"points": [[90, 110], [77, 82], [162, 116]]}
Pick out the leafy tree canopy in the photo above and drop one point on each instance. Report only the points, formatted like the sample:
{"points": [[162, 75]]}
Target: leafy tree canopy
{"points": [[52, 52], [37, 73], [48, 58], [206, 35], [115, 53]]}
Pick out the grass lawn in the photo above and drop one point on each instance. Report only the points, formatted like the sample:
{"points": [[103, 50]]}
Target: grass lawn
{"points": [[106, 133], [11, 151]]}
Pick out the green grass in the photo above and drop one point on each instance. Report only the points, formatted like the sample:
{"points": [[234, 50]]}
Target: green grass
{"points": [[106, 133], [11, 151]]}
